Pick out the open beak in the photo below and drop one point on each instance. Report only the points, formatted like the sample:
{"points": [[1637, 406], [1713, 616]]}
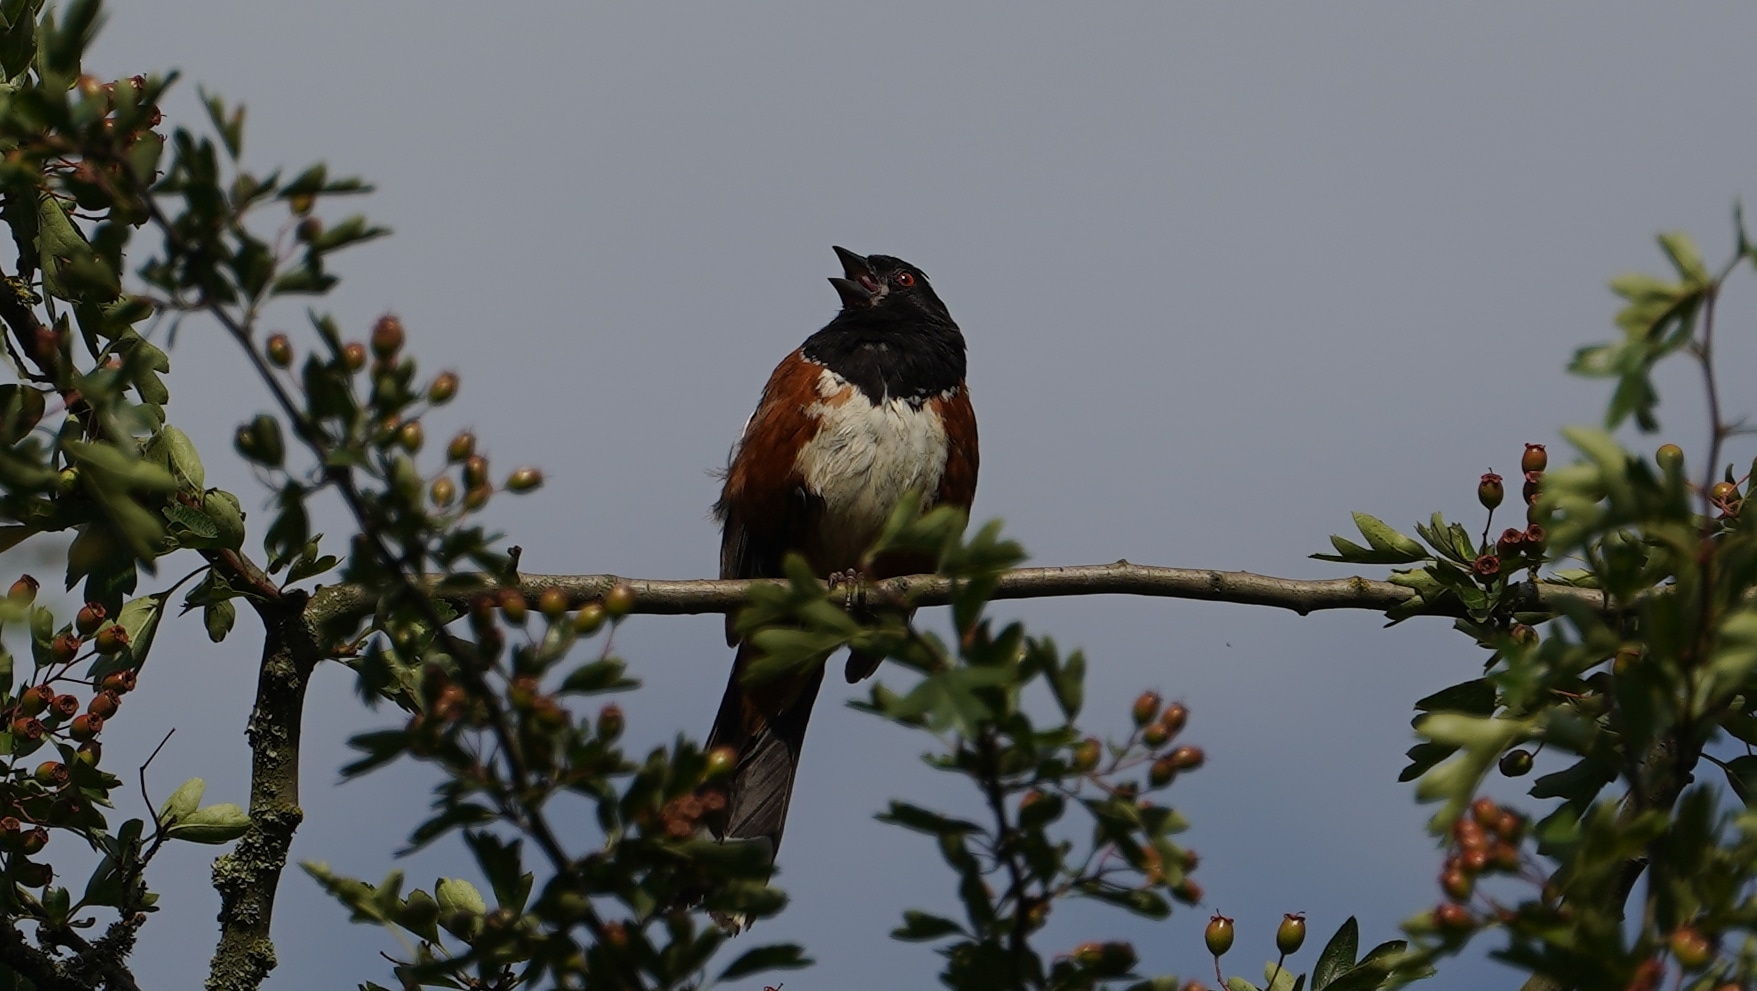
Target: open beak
{"points": [[859, 288]]}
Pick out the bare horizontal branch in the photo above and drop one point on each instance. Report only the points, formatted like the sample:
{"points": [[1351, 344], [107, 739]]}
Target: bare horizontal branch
{"points": [[702, 595]]}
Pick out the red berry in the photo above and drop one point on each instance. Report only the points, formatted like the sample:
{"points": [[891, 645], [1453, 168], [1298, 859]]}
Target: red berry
{"points": [[120, 682], [86, 727], [104, 704], [354, 356], [64, 706], [1086, 754], [1146, 708], [1691, 948], [1187, 758], [64, 648], [27, 729], [387, 336], [1452, 917], [32, 701], [52, 774], [24, 590], [279, 349], [1534, 459], [90, 617], [111, 639], [1174, 717], [444, 387]]}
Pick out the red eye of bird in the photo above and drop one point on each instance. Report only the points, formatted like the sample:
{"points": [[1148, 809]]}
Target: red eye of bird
{"points": [[905, 279]]}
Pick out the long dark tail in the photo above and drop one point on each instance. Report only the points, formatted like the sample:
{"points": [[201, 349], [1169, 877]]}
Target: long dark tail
{"points": [[766, 724]]}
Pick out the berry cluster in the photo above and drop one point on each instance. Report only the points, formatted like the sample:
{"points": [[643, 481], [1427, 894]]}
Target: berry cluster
{"points": [[390, 376], [58, 793], [1483, 841]]}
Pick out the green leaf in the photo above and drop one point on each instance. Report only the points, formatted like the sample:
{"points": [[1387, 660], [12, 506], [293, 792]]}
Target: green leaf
{"points": [[1338, 955], [776, 956], [925, 821], [182, 802], [219, 823], [218, 617], [919, 926], [607, 675], [1476, 696]]}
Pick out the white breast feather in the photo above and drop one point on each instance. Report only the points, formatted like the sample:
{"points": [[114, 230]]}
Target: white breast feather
{"points": [[866, 456]]}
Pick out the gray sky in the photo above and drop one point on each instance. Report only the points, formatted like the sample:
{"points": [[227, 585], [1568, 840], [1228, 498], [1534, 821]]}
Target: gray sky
{"points": [[1227, 273]]}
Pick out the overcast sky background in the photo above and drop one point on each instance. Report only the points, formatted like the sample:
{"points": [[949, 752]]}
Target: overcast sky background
{"points": [[1227, 273]]}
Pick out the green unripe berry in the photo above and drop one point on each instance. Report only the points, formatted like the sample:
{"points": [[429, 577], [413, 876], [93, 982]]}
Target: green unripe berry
{"points": [[1218, 935]]}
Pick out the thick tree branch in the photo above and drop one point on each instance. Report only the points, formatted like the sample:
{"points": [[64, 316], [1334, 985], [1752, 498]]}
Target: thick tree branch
{"points": [[703, 595], [248, 876]]}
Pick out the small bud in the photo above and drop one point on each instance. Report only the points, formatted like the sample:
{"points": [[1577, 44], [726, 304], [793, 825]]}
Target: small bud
{"points": [[90, 617], [86, 727], [442, 493], [1218, 935], [64, 707], [410, 436], [279, 350], [1086, 754], [104, 704], [120, 682], [1291, 934], [111, 639], [1487, 566], [610, 725], [1670, 457], [461, 447], [387, 336], [52, 774], [1187, 758], [1516, 763], [1146, 708], [64, 648], [24, 590], [1534, 459], [443, 389], [1489, 491], [524, 480], [354, 356], [589, 619], [619, 600]]}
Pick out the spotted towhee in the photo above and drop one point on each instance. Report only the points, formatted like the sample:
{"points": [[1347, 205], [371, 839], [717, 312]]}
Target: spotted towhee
{"points": [[869, 408]]}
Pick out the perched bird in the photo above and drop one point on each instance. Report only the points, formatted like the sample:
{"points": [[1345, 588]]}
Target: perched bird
{"points": [[868, 409]]}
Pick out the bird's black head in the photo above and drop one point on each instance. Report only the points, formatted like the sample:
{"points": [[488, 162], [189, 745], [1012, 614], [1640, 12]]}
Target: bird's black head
{"points": [[887, 286]]}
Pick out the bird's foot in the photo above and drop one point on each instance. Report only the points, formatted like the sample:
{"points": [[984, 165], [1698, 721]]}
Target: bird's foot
{"points": [[853, 585]]}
